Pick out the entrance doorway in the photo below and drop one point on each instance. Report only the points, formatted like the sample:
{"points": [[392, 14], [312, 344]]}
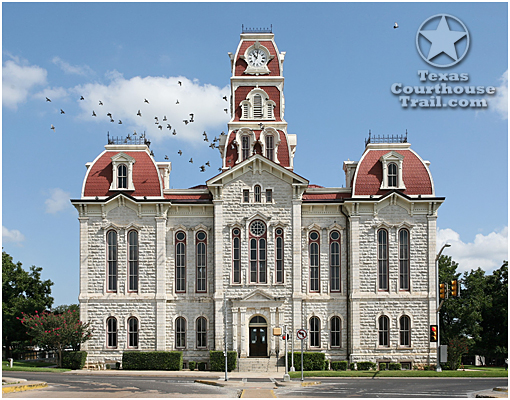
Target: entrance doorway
{"points": [[258, 337]]}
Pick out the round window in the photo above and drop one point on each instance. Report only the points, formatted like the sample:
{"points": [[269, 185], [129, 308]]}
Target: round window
{"points": [[236, 232], [335, 235], [257, 228], [180, 235], [279, 232], [201, 235], [314, 235]]}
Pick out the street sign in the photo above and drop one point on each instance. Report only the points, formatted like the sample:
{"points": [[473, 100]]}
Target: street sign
{"points": [[301, 334]]}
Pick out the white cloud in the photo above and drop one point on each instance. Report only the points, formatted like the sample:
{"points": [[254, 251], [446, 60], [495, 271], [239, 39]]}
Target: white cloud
{"points": [[84, 70], [18, 79], [486, 251], [124, 97], [58, 201], [12, 235], [500, 102]]}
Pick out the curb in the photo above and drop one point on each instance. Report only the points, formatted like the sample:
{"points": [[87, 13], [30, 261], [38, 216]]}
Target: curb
{"points": [[21, 387]]}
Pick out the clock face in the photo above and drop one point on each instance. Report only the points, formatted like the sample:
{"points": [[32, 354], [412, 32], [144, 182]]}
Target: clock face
{"points": [[257, 58]]}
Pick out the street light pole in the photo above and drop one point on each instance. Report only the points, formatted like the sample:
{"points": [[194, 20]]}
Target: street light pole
{"points": [[438, 364]]}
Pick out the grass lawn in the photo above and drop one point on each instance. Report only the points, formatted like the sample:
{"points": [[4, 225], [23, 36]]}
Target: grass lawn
{"points": [[481, 372], [31, 366]]}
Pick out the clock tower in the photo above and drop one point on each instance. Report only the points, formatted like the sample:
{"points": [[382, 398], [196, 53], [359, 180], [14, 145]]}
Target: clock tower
{"points": [[257, 103]]}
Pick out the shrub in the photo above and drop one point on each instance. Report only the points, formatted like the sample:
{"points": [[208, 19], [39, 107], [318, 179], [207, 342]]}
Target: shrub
{"points": [[366, 365], [152, 360], [192, 365], [218, 360], [339, 365], [74, 359], [201, 366], [432, 367], [352, 366], [312, 361], [394, 366], [108, 366], [117, 365], [382, 366]]}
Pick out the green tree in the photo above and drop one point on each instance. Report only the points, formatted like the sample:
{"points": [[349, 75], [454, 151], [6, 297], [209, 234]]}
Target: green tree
{"points": [[22, 291], [57, 331], [450, 325]]}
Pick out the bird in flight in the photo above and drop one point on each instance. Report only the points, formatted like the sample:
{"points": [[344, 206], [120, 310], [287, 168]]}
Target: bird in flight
{"points": [[120, 122], [109, 115], [166, 157], [191, 119], [82, 98], [212, 146], [52, 127], [146, 101], [186, 121], [180, 83], [100, 103], [191, 160], [208, 164], [177, 102], [179, 152], [62, 111], [174, 132], [164, 118], [202, 168], [94, 113], [112, 120], [160, 127], [395, 26], [225, 98], [261, 125], [168, 126], [139, 113], [47, 99]]}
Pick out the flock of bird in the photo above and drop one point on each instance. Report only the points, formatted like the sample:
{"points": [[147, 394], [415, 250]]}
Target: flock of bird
{"points": [[213, 144]]}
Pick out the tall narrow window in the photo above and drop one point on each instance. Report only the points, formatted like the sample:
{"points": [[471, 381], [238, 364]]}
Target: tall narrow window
{"points": [[180, 262], [392, 175], [256, 194], [111, 332], [336, 337], [111, 238], [201, 261], [246, 110], [246, 196], [384, 334], [133, 261], [122, 176], [257, 106], [315, 332], [180, 333], [236, 255], [403, 256], [133, 332], [405, 331], [270, 147], [279, 255], [201, 333], [382, 257], [334, 260], [269, 195], [314, 261], [258, 265], [245, 146]]}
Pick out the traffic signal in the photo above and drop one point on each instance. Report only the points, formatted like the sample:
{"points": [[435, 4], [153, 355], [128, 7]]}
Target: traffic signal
{"points": [[442, 291], [454, 288], [433, 333]]}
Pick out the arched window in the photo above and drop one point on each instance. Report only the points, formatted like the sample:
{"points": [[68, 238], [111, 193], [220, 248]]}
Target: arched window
{"points": [[258, 265], [382, 258], [257, 106], [334, 261], [236, 255], [201, 333], [315, 332], [245, 146], [201, 258], [180, 262], [403, 258], [384, 333], [111, 332], [133, 261], [336, 332], [133, 332], [405, 331], [279, 255], [111, 238], [270, 147], [122, 176], [257, 194], [180, 333], [392, 175], [313, 241]]}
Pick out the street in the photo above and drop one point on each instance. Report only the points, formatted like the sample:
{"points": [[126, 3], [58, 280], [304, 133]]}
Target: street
{"points": [[95, 385]]}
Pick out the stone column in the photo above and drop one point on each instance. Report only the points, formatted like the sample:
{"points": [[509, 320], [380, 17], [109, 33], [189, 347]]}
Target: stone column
{"points": [[272, 324], [84, 270], [218, 275], [294, 322], [160, 323], [235, 322], [244, 330], [354, 295]]}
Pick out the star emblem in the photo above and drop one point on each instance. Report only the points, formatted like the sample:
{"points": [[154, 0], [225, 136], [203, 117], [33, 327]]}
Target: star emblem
{"points": [[442, 40]]}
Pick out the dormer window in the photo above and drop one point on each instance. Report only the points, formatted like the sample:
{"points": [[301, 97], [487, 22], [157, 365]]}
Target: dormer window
{"points": [[122, 168], [392, 178], [257, 106]]}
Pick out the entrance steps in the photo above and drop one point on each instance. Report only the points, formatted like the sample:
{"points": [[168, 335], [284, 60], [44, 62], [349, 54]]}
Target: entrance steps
{"points": [[254, 364]]}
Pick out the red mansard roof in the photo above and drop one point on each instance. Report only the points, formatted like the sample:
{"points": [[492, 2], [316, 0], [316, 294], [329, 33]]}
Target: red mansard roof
{"points": [[240, 65], [368, 177], [145, 175], [324, 196], [188, 197]]}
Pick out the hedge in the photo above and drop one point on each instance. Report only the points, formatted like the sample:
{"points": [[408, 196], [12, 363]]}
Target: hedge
{"points": [[152, 360], [395, 366], [74, 359], [192, 365], [382, 366], [312, 361], [339, 365], [217, 359], [365, 365]]}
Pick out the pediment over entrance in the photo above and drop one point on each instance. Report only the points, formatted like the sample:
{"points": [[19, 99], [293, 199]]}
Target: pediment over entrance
{"points": [[257, 295], [259, 298]]}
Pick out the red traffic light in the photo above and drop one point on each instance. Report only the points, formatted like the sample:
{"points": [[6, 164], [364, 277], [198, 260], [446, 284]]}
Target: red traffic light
{"points": [[433, 333]]}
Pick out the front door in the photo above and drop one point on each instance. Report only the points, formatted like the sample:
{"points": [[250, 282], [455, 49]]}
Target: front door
{"points": [[258, 342]]}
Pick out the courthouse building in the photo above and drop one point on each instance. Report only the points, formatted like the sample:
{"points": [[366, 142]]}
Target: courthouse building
{"points": [[258, 244]]}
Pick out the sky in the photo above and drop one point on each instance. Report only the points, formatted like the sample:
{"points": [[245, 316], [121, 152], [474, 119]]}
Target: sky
{"points": [[341, 62]]}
